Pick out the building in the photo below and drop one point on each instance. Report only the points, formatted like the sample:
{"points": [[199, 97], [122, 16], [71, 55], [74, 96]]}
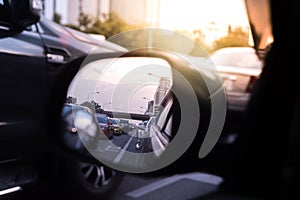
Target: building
{"points": [[150, 108], [69, 9], [161, 91], [143, 12]]}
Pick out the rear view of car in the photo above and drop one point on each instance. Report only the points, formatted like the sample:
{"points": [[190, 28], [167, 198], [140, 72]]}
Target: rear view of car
{"points": [[104, 125], [115, 124], [240, 68]]}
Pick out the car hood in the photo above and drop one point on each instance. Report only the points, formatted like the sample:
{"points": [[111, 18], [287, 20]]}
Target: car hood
{"points": [[74, 40], [84, 37]]}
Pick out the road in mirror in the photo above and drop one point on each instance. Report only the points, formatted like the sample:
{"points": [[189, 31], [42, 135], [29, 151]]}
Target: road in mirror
{"points": [[124, 94]]}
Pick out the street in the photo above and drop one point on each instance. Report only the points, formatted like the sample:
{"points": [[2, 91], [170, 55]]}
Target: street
{"points": [[139, 186], [175, 187]]}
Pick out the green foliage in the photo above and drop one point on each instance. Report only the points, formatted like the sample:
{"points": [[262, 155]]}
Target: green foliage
{"points": [[97, 107], [109, 25], [57, 18], [84, 21], [71, 100], [93, 105], [235, 38], [89, 105]]}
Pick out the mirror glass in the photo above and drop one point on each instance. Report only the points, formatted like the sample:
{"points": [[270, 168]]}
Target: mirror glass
{"points": [[122, 85], [125, 95], [79, 127], [84, 121]]}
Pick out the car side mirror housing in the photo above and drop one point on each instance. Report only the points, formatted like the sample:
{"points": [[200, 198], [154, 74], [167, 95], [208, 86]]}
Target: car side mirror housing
{"points": [[16, 15]]}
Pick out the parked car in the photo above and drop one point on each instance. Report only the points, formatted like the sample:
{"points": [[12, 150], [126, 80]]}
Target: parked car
{"points": [[240, 67], [35, 52], [105, 125]]}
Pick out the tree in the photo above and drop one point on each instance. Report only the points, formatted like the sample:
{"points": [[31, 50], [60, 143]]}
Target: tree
{"points": [[71, 100], [84, 21], [97, 107], [236, 38], [57, 18], [89, 105], [110, 25], [93, 105]]}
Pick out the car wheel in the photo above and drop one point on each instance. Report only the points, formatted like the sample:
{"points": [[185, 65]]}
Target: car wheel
{"points": [[90, 181]]}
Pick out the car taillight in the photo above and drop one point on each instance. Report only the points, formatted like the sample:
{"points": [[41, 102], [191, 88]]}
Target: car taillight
{"points": [[251, 84]]}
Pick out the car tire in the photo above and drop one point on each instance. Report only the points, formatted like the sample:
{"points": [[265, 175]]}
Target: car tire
{"points": [[86, 181]]}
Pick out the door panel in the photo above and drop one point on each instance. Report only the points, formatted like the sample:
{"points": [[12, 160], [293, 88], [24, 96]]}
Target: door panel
{"points": [[23, 76]]}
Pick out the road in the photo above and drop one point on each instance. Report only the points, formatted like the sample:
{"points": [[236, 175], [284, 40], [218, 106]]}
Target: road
{"points": [[140, 187], [127, 142], [175, 187]]}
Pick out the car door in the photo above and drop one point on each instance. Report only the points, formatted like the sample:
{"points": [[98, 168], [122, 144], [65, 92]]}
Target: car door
{"points": [[23, 82]]}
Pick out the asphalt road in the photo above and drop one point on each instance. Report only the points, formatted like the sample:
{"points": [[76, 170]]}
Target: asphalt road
{"points": [[133, 186], [175, 187]]}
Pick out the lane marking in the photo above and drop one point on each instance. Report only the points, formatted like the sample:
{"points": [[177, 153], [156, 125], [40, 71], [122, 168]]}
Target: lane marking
{"points": [[123, 151], [200, 177]]}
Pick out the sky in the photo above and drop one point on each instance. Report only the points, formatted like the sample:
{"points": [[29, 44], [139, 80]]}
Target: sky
{"points": [[122, 83], [188, 14]]}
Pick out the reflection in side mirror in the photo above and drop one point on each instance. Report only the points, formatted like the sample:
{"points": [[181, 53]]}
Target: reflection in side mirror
{"points": [[123, 87], [83, 121], [127, 89], [80, 129], [157, 100]]}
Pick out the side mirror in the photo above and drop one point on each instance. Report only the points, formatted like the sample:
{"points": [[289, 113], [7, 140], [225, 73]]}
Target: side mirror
{"points": [[146, 83], [16, 15], [180, 92]]}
